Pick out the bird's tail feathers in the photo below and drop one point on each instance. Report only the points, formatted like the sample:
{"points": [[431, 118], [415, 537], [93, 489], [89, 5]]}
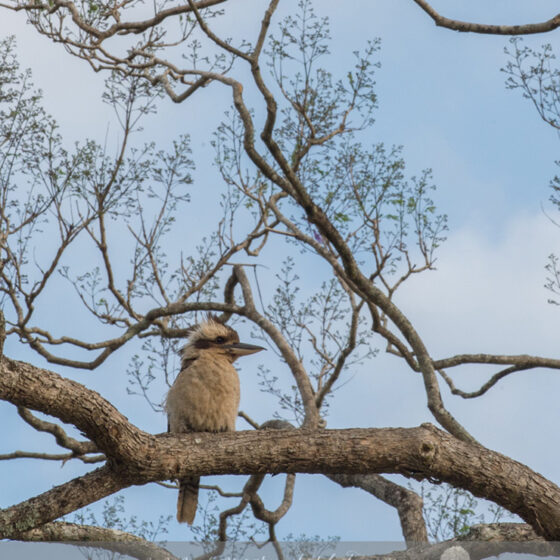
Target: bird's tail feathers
{"points": [[188, 499]]}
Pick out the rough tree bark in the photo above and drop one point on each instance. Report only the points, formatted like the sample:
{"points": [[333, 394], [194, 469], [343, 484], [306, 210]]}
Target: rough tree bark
{"points": [[136, 457]]}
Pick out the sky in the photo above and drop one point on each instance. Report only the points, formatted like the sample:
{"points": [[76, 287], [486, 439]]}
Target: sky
{"points": [[442, 97]]}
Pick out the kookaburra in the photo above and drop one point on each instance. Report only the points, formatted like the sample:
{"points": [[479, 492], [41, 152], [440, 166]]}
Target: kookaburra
{"points": [[205, 395]]}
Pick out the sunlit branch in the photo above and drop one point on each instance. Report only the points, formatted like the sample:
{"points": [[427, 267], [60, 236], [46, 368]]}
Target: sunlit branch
{"points": [[522, 360], [457, 25]]}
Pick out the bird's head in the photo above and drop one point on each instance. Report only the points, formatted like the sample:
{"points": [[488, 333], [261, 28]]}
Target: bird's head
{"points": [[210, 337]]}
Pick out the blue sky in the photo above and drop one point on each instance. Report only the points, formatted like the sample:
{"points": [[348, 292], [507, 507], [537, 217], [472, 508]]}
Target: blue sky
{"points": [[441, 96]]}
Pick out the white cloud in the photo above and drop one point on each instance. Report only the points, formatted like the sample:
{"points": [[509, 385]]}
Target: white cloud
{"points": [[488, 294]]}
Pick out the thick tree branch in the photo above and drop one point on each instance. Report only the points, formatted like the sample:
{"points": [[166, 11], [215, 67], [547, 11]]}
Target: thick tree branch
{"points": [[464, 26], [98, 538], [27, 386], [59, 501], [137, 457]]}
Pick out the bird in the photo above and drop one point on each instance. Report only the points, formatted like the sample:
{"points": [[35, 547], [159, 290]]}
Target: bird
{"points": [[205, 395]]}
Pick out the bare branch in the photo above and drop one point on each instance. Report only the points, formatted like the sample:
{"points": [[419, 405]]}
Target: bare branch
{"points": [[223, 44], [109, 346], [407, 503], [248, 419], [456, 25], [484, 388], [62, 438], [34, 455], [522, 360], [272, 517], [221, 492], [98, 538], [2, 334]]}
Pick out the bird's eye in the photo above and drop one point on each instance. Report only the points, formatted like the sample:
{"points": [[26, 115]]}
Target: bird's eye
{"points": [[220, 340]]}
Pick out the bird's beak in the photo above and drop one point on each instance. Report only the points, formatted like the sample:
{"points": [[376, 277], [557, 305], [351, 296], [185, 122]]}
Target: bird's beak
{"points": [[241, 349]]}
